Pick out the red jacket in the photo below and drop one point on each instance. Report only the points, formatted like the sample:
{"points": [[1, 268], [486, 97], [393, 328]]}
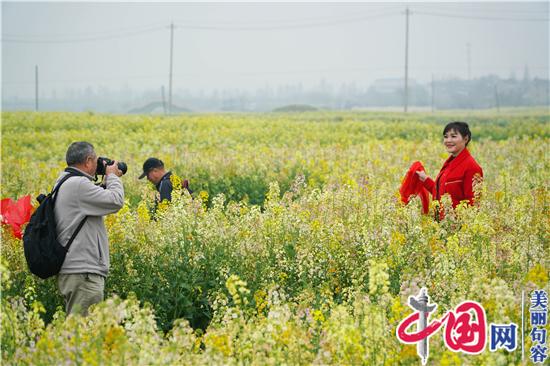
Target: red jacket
{"points": [[456, 178]]}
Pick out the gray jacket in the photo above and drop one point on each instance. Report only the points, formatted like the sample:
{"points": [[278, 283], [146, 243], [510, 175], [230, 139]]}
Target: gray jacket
{"points": [[79, 197]]}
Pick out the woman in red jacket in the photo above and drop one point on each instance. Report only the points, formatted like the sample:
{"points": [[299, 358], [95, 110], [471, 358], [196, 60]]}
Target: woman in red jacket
{"points": [[460, 172]]}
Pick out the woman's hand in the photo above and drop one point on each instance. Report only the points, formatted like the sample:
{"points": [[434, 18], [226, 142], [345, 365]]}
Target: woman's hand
{"points": [[422, 175]]}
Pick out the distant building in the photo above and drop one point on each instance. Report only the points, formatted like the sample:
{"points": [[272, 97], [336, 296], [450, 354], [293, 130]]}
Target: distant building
{"points": [[391, 85]]}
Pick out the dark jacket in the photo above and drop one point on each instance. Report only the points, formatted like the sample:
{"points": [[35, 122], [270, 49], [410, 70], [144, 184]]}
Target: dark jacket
{"points": [[165, 187]]}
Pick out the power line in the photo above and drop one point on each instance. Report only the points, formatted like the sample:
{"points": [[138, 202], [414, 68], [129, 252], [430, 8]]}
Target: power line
{"points": [[493, 11], [290, 26], [286, 21], [127, 32], [481, 17], [86, 39], [20, 38], [87, 35]]}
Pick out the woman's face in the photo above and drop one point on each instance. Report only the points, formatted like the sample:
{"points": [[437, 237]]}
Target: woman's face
{"points": [[454, 142]]}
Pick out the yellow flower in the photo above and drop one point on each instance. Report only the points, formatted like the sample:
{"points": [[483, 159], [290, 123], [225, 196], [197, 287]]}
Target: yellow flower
{"points": [[162, 206], [318, 316], [260, 299], [538, 275], [113, 338], [143, 212], [203, 195], [397, 311], [176, 182], [221, 343]]}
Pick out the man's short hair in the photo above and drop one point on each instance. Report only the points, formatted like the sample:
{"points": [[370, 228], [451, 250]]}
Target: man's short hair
{"points": [[78, 152]]}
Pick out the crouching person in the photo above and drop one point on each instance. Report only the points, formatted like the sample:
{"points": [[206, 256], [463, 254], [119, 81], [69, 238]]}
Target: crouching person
{"points": [[155, 172], [79, 209]]}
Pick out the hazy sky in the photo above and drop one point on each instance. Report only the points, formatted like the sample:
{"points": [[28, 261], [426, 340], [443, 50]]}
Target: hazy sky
{"points": [[247, 45]]}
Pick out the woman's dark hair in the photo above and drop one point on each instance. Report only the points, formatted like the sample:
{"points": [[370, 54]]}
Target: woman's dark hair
{"points": [[460, 127]]}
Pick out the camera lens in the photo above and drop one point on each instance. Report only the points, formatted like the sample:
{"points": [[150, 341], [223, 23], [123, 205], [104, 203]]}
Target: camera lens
{"points": [[102, 162], [123, 167]]}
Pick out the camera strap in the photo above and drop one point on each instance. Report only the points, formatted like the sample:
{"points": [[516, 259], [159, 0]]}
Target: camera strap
{"points": [[74, 172]]}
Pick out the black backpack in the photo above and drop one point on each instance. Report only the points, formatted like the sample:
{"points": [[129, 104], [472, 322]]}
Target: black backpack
{"points": [[44, 253]]}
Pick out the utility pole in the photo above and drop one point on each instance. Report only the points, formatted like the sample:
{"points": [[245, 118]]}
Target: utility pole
{"points": [[469, 56], [36, 88], [497, 100], [433, 93], [406, 93], [163, 99], [171, 63], [469, 80]]}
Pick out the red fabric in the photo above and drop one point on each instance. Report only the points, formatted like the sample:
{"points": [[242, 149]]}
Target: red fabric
{"points": [[413, 186], [16, 214], [456, 178]]}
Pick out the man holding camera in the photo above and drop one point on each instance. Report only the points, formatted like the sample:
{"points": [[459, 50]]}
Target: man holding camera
{"points": [[81, 205]]}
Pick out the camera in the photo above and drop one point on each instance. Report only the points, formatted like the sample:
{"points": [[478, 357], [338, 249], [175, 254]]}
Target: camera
{"points": [[102, 163]]}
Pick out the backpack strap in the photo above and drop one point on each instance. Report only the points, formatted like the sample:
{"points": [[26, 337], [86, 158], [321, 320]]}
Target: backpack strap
{"points": [[75, 233], [56, 188], [72, 173]]}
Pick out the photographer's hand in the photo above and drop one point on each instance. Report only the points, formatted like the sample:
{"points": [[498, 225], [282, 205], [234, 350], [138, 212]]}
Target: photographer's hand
{"points": [[113, 168]]}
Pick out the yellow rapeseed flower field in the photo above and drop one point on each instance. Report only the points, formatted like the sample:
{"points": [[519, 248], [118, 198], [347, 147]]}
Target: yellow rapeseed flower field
{"points": [[293, 248]]}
